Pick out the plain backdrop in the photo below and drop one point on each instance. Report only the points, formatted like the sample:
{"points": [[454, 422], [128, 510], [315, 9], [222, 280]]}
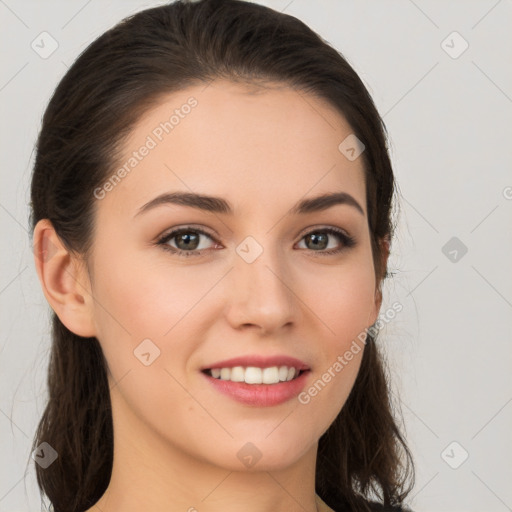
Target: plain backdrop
{"points": [[440, 75]]}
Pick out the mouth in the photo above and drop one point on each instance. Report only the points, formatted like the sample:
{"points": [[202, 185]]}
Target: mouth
{"points": [[271, 375], [258, 387]]}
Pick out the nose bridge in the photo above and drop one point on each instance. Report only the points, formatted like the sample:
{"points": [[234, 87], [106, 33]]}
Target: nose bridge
{"points": [[262, 292]]}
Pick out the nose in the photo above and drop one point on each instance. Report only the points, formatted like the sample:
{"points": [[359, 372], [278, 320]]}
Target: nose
{"points": [[261, 294]]}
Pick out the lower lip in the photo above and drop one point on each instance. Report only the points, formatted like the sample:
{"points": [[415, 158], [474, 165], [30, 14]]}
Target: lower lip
{"points": [[260, 395]]}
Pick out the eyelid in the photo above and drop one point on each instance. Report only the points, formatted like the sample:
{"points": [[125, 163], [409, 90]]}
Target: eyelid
{"points": [[187, 227], [320, 227]]}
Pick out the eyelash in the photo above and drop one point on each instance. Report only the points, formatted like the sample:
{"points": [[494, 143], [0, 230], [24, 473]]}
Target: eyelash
{"points": [[347, 241]]}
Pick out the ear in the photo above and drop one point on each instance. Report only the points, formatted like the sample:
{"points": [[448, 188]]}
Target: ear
{"points": [[64, 280], [384, 248]]}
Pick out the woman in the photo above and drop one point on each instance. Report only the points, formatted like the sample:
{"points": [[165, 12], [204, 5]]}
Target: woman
{"points": [[211, 214]]}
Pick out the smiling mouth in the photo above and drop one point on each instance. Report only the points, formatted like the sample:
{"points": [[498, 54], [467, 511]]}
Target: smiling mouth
{"points": [[254, 375]]}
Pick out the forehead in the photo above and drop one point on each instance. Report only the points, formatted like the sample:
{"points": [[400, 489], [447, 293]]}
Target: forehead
{"points": [[252, 145]]}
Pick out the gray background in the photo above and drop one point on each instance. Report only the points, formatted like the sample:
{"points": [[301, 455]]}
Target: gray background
{"points": [[448, 116]]}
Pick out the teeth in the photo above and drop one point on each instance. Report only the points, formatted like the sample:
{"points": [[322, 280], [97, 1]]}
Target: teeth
{"points": [[253, 375], [283, 373], [237, 374], [270, 375]]}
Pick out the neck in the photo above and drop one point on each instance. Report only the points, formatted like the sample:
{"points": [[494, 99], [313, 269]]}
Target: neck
{"points": [[150, 473]]}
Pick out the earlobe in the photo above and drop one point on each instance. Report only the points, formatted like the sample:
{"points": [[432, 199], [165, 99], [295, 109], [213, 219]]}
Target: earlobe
{"points": [[63, 279]]}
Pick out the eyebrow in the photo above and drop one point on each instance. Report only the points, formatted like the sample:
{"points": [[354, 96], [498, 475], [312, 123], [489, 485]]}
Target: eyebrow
{"points": [[219, 205]]}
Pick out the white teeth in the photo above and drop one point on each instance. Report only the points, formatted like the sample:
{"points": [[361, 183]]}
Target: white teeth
{"points": [[254, 375], [270, 375], [283, 373], [237, 374]]}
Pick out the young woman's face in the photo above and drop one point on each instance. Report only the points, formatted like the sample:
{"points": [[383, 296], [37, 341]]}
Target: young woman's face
{"points": [[259, 279]]}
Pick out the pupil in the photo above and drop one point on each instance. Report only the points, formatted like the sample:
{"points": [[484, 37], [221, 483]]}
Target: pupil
{"points": [[188, 237], [315, 238]]}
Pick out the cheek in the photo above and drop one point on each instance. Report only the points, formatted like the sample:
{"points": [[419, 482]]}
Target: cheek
{"points": [[342, 300], [345, 315], [343, 306], [145, 300], [168, 305]]}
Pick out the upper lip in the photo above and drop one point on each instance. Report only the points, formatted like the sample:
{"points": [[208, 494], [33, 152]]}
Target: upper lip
{"points": [[259, 361]]}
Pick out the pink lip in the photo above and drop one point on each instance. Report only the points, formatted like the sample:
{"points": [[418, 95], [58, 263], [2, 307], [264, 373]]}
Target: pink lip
{"points": [[259, 362], [259, 395]]}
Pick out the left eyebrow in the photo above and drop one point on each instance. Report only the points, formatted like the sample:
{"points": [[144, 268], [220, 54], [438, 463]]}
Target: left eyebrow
{"points": [[219, 205]]}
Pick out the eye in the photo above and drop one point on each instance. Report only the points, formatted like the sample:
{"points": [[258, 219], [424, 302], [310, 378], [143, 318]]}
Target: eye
{"points": [[185, 242], [319, 239]]}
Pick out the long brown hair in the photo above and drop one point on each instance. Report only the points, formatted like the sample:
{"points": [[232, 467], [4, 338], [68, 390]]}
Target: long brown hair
{"points": [[112, 83]]}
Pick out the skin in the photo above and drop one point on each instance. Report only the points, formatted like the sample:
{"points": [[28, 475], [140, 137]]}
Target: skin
{"points": [[176, 437]]}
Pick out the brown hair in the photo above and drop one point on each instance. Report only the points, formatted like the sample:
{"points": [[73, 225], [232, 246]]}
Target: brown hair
{"points": [[94, 107]]}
